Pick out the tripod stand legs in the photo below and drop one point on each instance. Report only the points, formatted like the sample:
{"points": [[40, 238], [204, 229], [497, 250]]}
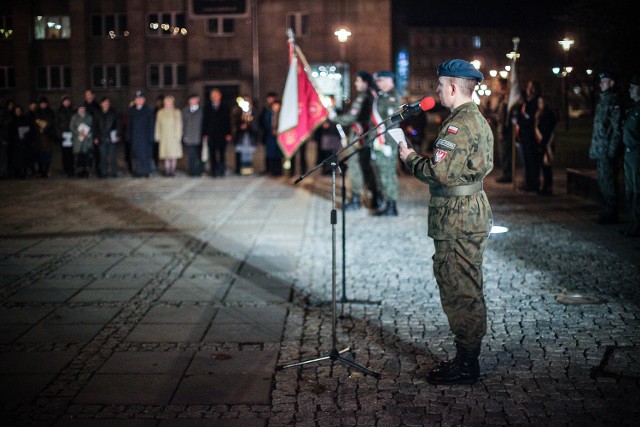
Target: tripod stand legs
{"points": [[334, 356]]}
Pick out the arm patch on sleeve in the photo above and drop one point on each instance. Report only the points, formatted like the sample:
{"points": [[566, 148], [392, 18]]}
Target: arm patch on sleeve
{"points": [[445, 145], [438, 155]]}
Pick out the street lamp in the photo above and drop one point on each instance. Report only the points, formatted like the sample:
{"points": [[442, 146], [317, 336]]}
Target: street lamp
{"points": [[566, 44], [343, 35]]}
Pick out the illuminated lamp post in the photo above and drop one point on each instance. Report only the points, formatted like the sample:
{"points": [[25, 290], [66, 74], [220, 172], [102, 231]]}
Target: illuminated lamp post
{"points": [[343, 35], [566, 44]]}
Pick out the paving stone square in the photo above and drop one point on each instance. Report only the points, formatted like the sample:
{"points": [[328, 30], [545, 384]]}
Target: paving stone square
{"points": [[172, 302], [129, 389]]}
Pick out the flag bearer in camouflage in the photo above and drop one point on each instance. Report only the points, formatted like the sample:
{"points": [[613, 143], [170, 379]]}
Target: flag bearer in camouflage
{"points": [[357, 118], [631, 140], [605, 146], [459, 216], [385, 149]]}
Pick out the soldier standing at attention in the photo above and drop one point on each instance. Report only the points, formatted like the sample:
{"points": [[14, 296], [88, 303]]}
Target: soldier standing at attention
{"points": [[385, 149], [357, 118], [605, 146], [459, 216], [631, 140]]}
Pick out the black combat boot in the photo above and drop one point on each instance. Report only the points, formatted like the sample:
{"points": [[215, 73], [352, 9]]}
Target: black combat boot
{"points": [[463, 369], [354, 204], [388, 209]]}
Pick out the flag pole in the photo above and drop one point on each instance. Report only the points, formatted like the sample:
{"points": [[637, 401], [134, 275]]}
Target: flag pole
{"points": [[514, 55]]}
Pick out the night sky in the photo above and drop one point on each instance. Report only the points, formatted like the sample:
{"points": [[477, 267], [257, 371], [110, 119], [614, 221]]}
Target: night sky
{"points": [[487, 13]]}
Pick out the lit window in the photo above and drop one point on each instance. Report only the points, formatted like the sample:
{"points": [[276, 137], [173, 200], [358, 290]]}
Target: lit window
{"points": [[166, 24], [112, 25], [6, 27], [476, 41], [51, 27]]}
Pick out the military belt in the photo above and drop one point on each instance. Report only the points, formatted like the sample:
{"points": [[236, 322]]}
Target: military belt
{"points": [[457, 190]]}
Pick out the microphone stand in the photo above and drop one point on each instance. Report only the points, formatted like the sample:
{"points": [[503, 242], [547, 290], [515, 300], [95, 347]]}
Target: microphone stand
{"points": [[344, 299], [334, 354]]}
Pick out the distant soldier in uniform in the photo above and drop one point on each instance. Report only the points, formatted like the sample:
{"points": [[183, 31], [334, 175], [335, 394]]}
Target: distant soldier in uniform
{"points": [[605, 146], [459, 216], [631, 140], [385, 149], [357, 118]]}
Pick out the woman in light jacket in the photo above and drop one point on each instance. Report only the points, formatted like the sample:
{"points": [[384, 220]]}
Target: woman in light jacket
{"points": [[168, 133]]}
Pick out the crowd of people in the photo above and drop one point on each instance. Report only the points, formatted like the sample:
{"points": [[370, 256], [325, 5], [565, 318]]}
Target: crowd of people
{"points": [[90, 139], [531, 123]]}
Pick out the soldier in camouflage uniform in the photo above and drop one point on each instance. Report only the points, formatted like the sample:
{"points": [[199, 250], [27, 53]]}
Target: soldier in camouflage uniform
{"points": [[385, 149], [631, 140], [459, 216], [605, 146], [357, 119]]}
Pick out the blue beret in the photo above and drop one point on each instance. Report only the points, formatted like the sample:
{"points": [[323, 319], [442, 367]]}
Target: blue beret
{"points": [[459, 68], [384, 73], [607, 75]]}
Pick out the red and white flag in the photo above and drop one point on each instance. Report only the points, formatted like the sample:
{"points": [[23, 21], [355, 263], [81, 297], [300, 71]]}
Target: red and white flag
{"points": [[302, 110]]}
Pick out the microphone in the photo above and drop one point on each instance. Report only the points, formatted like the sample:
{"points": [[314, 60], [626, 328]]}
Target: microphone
{"points": [[408, 110]]}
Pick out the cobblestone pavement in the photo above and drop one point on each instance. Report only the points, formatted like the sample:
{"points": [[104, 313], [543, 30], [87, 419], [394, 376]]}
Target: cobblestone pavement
{"points": [[135, 302]]}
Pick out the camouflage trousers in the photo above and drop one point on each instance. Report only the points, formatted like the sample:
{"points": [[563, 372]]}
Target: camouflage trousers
{"points": [[632, 187], [354, 171], [457, 266], [386, 174], [608, 183]]}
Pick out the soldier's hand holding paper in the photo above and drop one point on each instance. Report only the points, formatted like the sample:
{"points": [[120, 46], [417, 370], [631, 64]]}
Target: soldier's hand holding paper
{"points": [[403, 146]]}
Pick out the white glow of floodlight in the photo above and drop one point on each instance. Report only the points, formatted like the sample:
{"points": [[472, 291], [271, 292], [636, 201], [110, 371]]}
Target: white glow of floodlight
{"points": [[498, 229]]}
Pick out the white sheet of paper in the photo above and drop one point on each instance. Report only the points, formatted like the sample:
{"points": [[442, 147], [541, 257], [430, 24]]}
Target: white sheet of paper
{"points": [[398, 136]]}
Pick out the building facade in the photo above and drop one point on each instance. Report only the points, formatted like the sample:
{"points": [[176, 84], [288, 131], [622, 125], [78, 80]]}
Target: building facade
{"points": [[178, 47]]}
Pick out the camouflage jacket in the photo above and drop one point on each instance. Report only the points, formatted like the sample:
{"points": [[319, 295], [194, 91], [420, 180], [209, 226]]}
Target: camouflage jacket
{"points": [[358, 114], [607, 127], [631, 128], [463, 154], [386, 104]]}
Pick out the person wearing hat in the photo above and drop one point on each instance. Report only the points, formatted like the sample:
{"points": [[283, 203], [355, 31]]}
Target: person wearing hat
{"points": [[140, 131], [606, 142], [385, 150], [631, 140], [459, 216], [356, 119]]}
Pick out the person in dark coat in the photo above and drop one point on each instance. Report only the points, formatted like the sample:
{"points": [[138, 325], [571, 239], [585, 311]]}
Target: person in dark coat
{"points": [[19, 140], [216, 131], [44, 133], [140, 131], [526, 135], [105, 136], [273, 153], [63, 119]]}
